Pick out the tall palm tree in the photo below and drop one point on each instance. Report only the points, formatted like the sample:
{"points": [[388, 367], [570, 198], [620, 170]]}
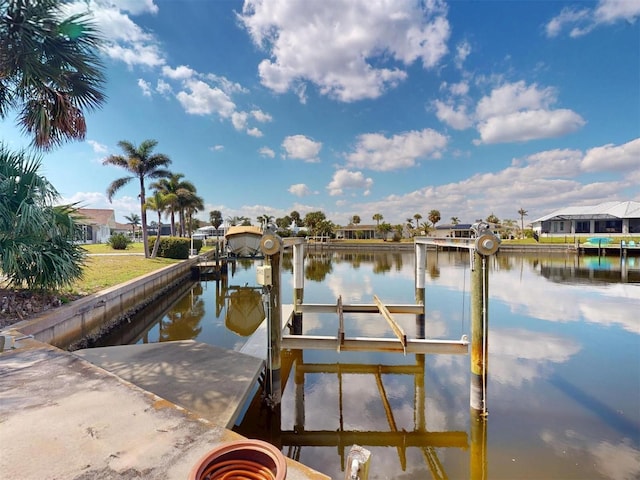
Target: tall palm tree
{"points": [[178, 188], [417, 218], [134, 221], [215, 218], [190, 205], [434, 217], [378, 218], [158, 202], [265, 220], [50, 69], [37, 247], [523, 213], [141, 163]]}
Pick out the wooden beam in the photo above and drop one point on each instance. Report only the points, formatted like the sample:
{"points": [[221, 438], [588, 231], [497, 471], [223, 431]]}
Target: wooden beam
{"points": [[397, 329]]}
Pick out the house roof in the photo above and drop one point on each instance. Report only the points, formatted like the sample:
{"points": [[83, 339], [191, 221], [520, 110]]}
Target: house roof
{"points": [[601, 211], [451, 226], [97, 216], [359, 226]]}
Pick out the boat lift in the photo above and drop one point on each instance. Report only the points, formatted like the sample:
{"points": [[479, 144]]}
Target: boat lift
{"points": [[484, 244]]}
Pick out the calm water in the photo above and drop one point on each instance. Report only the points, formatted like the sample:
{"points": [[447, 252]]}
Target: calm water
{"points": [[564, 368]]}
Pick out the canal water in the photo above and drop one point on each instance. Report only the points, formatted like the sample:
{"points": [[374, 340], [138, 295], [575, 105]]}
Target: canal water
{"points": [[563, 390]]}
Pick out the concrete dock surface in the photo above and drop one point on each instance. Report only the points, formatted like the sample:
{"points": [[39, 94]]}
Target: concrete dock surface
{"points": [[64, 418], [184, 373]]}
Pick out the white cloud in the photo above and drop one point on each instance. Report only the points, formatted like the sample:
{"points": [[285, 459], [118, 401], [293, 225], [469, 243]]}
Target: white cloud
{"points": [[299, 190], [217, 148], [516, 112], [124, 39], [337, 47], [514, 97], [624, 157], [463, 50], [529, 125], [135, 7], [261, 116], [456, 117], [163, 88], [345, 179], [302, 148], [254, 132], [374, 151], [148, 55], [181, 72], [98, 147], [460, 88], [267, 152], [239, 120], [201, 99], [145, 87], [582, 21]]}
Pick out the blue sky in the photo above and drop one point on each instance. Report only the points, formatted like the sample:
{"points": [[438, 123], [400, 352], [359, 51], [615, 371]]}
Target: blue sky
{"points": [[357, 107]]}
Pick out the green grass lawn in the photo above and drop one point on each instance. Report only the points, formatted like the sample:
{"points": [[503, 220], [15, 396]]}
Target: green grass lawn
{"points": [[101, 272]]}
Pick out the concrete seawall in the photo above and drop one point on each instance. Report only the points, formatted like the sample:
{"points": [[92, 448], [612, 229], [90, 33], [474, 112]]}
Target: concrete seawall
{"points": [[69, 324]]}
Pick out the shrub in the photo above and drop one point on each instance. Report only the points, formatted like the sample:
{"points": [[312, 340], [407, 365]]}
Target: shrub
{"points": [[175, 247], [118, 241]]}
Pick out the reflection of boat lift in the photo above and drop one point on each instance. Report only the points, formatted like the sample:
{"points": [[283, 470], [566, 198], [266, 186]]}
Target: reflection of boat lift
{"points": [[420, 438]]}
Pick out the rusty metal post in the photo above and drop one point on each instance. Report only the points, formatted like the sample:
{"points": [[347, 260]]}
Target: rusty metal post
{"points": [[486, 244], [421, 262], [478, 453], [298, 273], [271, 246], [298, 285], [479, 341]]}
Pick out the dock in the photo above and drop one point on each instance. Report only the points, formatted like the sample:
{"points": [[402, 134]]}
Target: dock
{"points": [[210, 381], [64, 417]]}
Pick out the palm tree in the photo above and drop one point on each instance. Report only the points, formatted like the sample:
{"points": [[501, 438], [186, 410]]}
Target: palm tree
{"points": [[178, 188], [378, 218], [434, 217], [141, 163], [158, 202], [417, 218], [134, 221], [37, 247], [523, 213], [295, 217], [384, 228], [355, 219], [50, 69], [190, 204], [455, 220], [493, 219], [265, 220]]}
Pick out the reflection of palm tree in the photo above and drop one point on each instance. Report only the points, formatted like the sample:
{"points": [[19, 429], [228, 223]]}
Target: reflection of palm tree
{"points": [[382, 264], [317, 270], [183, 322]]}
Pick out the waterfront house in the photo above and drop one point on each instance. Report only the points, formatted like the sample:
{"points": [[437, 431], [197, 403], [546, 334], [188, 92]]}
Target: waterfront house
{"points": [[97, 224], [609, 219], [449, 230]]}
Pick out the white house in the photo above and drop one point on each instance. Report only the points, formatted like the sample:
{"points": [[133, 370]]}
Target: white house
{"points": [[97, 224], [607, 219]]}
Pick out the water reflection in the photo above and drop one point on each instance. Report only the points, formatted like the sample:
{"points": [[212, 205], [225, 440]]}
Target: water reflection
{"points": [[564, 367]]}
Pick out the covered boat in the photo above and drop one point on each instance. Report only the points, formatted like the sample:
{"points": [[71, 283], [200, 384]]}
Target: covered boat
{"points": [[243, 241]]}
